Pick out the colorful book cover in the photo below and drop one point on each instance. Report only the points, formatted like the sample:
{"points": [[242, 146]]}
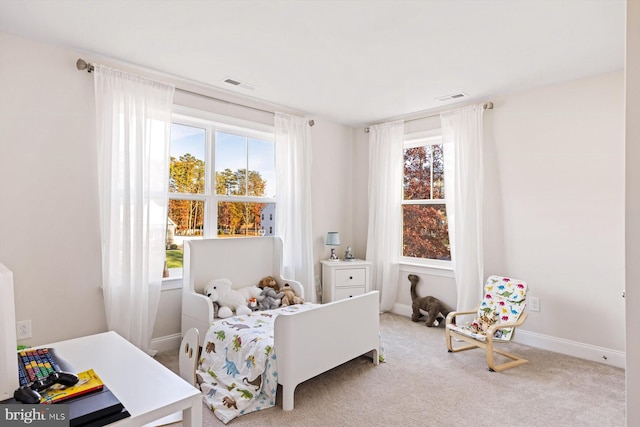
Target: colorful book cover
{"points": [[88, 381]]}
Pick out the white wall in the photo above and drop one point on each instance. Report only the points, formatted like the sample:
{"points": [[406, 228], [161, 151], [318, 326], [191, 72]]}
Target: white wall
{"points": [[560, 158], [332, 189], [554, 214], [49, 226], [632, 71], [49, 234]]}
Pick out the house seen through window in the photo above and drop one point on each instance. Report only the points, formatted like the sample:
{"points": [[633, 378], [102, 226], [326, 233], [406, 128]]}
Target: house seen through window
{"points": [[221, 184], [425, 235]]}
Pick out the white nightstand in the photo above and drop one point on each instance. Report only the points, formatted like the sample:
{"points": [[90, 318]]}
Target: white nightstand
{"points": [[344, 279]]}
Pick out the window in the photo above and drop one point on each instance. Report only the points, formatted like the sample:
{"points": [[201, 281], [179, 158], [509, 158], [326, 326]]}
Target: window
{"points": [[222, 183], [425, 235]]}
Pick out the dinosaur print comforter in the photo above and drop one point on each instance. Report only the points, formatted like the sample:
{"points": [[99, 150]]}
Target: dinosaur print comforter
{"points": [[237, 370]]}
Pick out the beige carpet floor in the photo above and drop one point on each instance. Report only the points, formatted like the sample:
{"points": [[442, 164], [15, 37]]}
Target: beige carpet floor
{"points": [[423, 385]]}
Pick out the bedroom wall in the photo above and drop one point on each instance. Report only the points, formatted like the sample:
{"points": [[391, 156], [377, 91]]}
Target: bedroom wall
{"points": [[554, 214], [49, 229], [632, 80], [49, 222], [560, 155]]}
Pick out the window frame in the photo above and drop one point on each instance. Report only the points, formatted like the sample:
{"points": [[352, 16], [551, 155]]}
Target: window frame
{"points": [[413, 140], [213, 123]]}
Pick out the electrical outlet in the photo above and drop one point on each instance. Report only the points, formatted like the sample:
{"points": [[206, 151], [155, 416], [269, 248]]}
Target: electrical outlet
{"points": [[23, 330], [534, 303]]}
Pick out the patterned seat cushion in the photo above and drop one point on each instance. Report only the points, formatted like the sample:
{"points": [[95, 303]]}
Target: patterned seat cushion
{"points": [[504, 301]]}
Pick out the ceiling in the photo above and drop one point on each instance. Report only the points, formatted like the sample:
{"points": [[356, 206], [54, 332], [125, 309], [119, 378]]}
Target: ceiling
{"points": [[355, 62]]}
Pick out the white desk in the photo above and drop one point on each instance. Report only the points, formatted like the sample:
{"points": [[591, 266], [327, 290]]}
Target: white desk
{"points": [[147, 389]]}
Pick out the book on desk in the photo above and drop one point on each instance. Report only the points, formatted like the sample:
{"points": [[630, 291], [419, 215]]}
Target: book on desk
{"points": [[90, 401], [88, 381]]}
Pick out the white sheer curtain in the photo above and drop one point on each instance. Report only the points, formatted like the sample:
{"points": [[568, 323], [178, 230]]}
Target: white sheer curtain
{"points": [[293, 199], [133, 121], [463, 177], [384, 237]]}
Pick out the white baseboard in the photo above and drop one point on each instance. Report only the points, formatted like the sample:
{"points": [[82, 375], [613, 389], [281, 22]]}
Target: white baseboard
{"points": [[166, 343], [402, 309], [572, 348], [559, 345]]}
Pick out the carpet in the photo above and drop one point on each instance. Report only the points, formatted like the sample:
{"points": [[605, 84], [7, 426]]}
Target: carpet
{"points": [[421, 384]]}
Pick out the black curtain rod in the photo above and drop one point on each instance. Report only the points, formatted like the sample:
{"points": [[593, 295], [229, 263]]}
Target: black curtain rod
{"points": [[486, 106], [81, 64]]}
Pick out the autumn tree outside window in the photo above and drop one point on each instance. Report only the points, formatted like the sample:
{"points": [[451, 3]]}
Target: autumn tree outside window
{"points": [[425, 235]]}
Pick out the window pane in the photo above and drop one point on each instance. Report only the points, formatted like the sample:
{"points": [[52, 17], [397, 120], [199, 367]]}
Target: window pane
{"points": [[417, 173], [438, 171], [424, 232], [231, 164], [238, 219], [186, 219], [187, 165], [262, 171]]}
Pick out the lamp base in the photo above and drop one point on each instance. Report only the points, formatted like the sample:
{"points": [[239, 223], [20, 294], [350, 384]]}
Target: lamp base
{"points": [[333, 256]]}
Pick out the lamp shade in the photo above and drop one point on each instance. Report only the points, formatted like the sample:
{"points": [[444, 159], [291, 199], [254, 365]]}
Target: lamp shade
{"points": [[333, 238]]}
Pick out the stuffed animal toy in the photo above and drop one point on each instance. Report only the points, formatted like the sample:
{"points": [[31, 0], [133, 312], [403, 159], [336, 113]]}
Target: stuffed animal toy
{"points": [[269, 299], [253, 304], [219, 290], [249, 292], [216, 306], [432, 305], [290, 296], [268, 281], [481, 324]]}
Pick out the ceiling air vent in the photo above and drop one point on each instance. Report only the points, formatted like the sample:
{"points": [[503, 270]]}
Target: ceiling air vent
{"points": [[453, 96], [237, 83]]}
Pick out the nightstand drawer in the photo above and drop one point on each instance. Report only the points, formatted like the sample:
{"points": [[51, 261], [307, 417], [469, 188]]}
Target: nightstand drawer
{"points": [[351, 277], [342, 293]]}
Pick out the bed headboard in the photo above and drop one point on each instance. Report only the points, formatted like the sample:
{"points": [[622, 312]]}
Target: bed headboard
{"points": [[243, 260]]}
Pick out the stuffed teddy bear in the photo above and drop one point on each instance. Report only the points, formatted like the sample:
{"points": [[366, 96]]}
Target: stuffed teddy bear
{"points": [[269, 299], [290, 296], [268, 281], [219, 290], [432, 305]]}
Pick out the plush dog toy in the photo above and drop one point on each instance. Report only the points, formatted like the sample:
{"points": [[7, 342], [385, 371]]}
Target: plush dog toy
{"points": [[432, 305], [290, 296], [268, 282], [219, 290], [269, 299]]}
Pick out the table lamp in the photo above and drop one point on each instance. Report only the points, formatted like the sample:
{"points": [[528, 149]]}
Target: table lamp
{"points": [[333, 239]]}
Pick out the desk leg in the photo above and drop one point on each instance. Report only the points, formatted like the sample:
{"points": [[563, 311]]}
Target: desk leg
{"points": [[192, 416]]}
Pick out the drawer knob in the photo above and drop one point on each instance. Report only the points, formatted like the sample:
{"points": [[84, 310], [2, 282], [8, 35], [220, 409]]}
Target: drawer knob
{"points": [[350, 277]]}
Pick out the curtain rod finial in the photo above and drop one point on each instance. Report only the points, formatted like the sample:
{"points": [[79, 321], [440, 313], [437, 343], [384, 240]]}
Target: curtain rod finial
{"points": [[81, 64], [488, 106]]}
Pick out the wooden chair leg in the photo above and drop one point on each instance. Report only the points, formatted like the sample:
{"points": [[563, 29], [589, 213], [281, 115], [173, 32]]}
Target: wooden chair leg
{"points": [[489, 349], [449, 335], [515, 360]]}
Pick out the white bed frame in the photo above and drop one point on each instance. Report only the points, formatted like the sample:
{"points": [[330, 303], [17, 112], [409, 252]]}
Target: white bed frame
{"points": [[307, 343]]}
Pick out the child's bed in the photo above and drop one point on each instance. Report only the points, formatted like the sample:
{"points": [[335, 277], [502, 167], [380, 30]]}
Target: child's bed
{"points": [[308, 339]]}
